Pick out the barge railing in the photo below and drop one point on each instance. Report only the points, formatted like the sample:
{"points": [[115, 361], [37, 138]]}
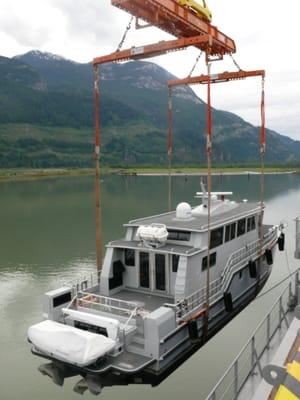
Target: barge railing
{"points": [[249, 360]]}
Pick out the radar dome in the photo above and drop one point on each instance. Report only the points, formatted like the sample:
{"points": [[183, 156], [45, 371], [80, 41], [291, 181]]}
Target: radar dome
{"points": [[183, 211]]}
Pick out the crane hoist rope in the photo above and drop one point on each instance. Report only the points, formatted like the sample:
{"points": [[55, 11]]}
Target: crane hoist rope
{"points": [[195, 64], [235, 62], [127, 29]]}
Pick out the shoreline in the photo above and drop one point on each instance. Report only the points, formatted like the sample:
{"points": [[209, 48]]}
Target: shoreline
{"points": [[7, 175], [220, 173]]}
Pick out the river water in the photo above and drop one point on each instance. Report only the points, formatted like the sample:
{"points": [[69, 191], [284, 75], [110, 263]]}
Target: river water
{"points": [[47, 237]]}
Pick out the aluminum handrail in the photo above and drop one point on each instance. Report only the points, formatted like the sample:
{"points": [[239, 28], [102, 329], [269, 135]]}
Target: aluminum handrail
{"points": [[269, 237], [85, 283], [218, 286], [107, 298], [244, 249], [83, 301]]}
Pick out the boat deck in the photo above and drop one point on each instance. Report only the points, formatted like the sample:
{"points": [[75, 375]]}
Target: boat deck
{"points": [[149, 302], [198, 223], [126, 362]]}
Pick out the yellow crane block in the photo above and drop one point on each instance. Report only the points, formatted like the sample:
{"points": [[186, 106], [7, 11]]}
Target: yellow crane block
{"points": [[200, 10], [284, 394], [293, 369]]}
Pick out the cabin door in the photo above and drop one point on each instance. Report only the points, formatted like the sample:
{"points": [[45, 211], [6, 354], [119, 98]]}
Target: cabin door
{"points": [[153, 272], [145, 270]]}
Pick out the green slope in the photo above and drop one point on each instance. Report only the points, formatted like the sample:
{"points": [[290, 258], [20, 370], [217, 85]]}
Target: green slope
{"points": [[46, 118]]}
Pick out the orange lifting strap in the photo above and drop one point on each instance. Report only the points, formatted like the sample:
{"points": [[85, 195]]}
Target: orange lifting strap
{"points": [[170, 122], [99, 243], [219, 78], [209, 79]]}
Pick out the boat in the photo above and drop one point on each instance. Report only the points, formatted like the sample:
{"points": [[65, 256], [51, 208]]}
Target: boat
{"points": [[150, 307]]}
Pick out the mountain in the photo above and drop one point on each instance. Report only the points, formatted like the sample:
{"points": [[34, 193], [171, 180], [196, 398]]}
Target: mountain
{"points": [[47, 117]]}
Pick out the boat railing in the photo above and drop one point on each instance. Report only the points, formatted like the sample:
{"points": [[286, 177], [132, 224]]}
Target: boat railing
{"points": [[85, 283], [248, 252], [255, 354], [192, 303], [117, 307], [196, 300]]}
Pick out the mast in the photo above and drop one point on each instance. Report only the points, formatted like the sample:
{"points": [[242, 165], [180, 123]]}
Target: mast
{"points": [[209, 190], [98, 203], [170, 122]]}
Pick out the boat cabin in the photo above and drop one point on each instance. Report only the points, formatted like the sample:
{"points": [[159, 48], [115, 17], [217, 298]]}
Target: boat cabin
{"points": [[163, 258]]}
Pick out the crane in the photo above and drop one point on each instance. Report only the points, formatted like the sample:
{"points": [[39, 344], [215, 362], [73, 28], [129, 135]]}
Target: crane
{"points": [[190, 23]]}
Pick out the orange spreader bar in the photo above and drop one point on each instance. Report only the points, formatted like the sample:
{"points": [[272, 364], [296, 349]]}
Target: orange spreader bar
{"points": [[216, 78], [152, 50], [177, 20]]}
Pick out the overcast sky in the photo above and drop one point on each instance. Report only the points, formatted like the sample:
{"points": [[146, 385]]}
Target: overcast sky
{"points": [[265, 33]]}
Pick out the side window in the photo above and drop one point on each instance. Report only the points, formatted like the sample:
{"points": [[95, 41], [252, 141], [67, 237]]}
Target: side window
{"points": [[251, 224], [129, 257], [232, 230], [227, 233], [213, 260], [216, 237], [175, 262], [179, 235], [241, 227]]}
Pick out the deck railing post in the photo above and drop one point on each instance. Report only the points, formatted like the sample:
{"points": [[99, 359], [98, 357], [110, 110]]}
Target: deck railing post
{"points": [[268, 331], [236, 378], [280, 312], [212, 396], [253, 361], [297, 287]]}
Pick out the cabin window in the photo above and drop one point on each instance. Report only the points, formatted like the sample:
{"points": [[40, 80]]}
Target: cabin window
{"points": [[250, 224], [62, 299], [175, 262], [129, 257], [179, 235], [230, 232], [160, 272], [241, 227], [144, 270], [216, 237], [213, 260]]}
